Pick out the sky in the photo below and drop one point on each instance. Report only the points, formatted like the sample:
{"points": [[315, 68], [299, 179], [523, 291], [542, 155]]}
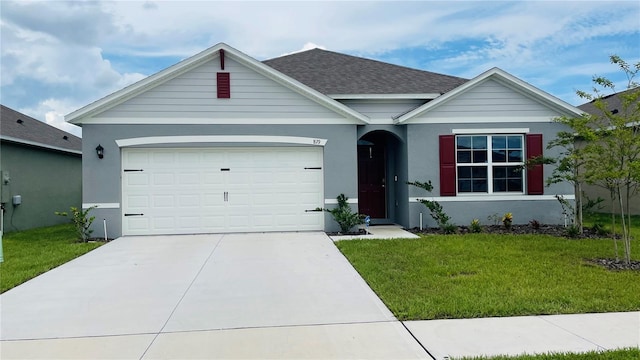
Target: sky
{"points": [[58, 56]]}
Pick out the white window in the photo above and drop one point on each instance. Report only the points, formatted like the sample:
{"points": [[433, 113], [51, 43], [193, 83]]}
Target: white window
{"points": [[490, 163]]}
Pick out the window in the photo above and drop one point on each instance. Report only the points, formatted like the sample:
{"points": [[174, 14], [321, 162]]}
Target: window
{"points": [[489, 163]]}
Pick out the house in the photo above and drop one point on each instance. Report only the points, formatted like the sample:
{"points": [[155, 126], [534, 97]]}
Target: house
{"points": [[221, 142], [613, 103], [41, 171]]}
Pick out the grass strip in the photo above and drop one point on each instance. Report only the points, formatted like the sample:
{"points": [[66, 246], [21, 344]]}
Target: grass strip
{"points": [[30, 253]]}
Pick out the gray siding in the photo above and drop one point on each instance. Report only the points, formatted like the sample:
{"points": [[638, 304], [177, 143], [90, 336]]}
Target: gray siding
{"points": [[48, 181], [102, 182], [423, 165], [193, 95], [490, 99], [382, 109]]}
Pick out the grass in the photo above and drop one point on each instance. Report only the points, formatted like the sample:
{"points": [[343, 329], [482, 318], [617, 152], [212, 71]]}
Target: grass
{"points": [[30, 253], [483, 275], [621, 354]]}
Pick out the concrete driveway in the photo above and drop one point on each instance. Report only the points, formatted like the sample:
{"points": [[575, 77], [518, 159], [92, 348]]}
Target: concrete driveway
{"points": [[274, 295]]}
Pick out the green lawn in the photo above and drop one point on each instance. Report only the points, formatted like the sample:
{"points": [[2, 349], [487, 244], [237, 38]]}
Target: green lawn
{"points": [[30, 253], [622, 354], [483, 275]]}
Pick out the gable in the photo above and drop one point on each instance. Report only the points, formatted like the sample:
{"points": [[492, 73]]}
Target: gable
{"points": [[494, 96], [193, 95], [490, 99], [187, 93]]}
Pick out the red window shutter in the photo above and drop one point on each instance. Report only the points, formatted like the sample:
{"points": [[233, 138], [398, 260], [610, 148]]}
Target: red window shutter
{"points": [[448, 165], [224, 85], [535, 176]]}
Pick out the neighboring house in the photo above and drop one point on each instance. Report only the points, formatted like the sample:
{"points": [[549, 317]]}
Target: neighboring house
{"points": [[221, 142], [613, 103], [41, 169]]}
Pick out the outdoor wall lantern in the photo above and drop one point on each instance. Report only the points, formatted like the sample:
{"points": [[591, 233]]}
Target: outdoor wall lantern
{"points": [[100, 151]]}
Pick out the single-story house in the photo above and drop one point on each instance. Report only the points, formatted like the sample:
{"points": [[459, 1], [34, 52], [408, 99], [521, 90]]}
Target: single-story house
{"points": [[222, 142], [41, 171], [613, 103]]}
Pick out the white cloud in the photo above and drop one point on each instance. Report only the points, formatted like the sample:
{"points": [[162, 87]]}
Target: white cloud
{"points": [[52, 111], [71, 53]]}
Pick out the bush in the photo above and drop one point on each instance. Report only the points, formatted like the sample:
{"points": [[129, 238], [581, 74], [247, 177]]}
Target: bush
{"points": [[435, 209], [343, 215], [81, 221], [449, 229], [573, 231], [535, 224], [475, 226]]}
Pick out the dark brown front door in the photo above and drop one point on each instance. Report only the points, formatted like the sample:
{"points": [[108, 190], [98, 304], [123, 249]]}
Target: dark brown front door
{"points": [[371, 181]]}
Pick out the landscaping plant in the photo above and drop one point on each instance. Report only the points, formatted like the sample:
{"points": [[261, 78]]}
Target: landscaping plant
{"points": [[475, 226], [344, 216], [435, 209], [81, 221]]}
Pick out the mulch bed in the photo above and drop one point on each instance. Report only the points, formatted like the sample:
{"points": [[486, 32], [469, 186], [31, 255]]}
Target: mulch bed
{"points": [[553, 230]]}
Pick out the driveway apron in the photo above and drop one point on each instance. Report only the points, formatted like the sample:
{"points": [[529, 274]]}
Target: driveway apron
{"points": [[289, 294]]}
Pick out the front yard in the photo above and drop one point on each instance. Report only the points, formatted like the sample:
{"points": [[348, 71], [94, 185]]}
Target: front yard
{"points": [[484, 275], [30, 253]]}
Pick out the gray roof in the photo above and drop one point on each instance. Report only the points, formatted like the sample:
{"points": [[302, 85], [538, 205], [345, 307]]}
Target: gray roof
{"points": [[334, 73], [18, 127], [613, 102]]}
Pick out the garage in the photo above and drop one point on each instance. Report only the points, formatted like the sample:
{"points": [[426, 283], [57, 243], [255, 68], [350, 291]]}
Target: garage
{"points": [[221, 190]]}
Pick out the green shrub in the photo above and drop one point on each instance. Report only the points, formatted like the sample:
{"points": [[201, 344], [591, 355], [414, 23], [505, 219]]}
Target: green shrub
{"points": [[475, 226], [81, 221], [435, 209], [573, 231], [343, 214]]}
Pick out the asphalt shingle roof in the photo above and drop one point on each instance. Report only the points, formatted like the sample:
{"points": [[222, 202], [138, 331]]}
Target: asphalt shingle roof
{"points": [[613, 102], [333, 73], [20, 126]]}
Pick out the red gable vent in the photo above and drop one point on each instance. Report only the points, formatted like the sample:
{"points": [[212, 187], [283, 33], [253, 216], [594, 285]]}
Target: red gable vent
{"points": [[224, 85]]}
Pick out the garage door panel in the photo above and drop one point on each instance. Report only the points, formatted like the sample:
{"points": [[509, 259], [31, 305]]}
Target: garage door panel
{"points": [[185, 191]]}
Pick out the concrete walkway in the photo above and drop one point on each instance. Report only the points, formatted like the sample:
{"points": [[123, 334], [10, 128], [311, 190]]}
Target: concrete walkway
{"points": [[254, 296]]}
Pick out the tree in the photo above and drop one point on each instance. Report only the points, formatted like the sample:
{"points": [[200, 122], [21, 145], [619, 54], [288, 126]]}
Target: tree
{"points": [[610, 152]]}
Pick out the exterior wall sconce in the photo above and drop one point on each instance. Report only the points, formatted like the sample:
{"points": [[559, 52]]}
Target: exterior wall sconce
{"points": [[100, 151]]}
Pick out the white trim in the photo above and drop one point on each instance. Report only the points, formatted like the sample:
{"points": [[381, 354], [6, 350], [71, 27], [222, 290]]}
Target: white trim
{"points": [[492, 198], [505, 78], [425, 96], [101, 205], [335, 201], [33, 143], [218, 121], [491, 131], [220, 139], [471, 119]]}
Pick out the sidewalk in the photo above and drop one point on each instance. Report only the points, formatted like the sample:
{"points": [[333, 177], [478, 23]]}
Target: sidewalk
{"points": [[527, 334]]}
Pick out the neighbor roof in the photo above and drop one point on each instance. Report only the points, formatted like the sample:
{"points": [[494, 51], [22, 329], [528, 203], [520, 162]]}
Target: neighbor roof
{"points": [[333, 73], [613, 102], [20, 128]]}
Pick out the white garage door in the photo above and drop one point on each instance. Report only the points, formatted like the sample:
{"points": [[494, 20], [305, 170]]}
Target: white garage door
{"points": [[210, 190]]}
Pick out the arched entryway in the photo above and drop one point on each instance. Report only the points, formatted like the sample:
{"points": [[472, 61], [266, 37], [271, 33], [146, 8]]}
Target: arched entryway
{"points": [[380, 175]]}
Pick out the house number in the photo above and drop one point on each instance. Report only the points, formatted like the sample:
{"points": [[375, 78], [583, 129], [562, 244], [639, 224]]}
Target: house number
{"points": [[316, 141]]}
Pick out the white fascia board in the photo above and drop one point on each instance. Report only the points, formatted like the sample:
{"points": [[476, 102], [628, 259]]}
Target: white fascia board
{"points": [[130, 91], [483, 120], [204, 139], [40, 145], [424, 96], [506, 79], [218, 121], [471, 198]]}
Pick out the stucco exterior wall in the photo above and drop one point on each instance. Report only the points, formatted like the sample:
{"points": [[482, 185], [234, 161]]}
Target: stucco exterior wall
{"points": [[102, 177], [423, 165], [48, 181]]}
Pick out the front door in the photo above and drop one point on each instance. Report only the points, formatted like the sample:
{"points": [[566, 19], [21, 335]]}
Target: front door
{"points": [[371, 181]]}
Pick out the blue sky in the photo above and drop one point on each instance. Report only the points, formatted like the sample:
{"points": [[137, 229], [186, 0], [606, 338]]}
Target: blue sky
{"points": [[59, 56]]}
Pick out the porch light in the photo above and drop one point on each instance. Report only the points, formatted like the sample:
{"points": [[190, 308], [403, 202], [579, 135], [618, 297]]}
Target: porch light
{"points": [[100, 151]]}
